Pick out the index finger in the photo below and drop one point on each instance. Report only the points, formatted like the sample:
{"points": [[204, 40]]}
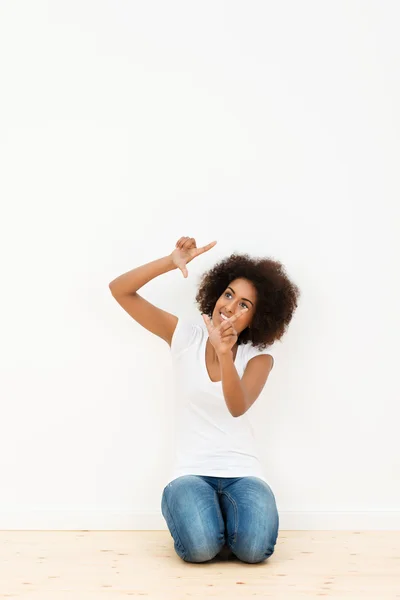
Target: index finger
{"points": [[205, 248], [208, 322], [236, 316]]}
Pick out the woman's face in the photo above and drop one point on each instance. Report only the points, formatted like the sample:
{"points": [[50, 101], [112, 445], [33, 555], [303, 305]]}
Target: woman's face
{"points": [[238, 294]]}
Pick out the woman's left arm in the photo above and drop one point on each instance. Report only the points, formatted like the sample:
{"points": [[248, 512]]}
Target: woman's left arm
{"points": [[240, 394]]}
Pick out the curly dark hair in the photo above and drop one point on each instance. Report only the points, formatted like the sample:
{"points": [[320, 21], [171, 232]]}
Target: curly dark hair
{"points": [[277, 296]]}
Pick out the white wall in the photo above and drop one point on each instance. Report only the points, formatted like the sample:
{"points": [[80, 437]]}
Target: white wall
{"points": [[272, 127]]}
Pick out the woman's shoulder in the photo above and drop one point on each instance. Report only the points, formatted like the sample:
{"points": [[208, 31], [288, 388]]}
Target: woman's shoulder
{"points": [[188, 331], [250, 351]]}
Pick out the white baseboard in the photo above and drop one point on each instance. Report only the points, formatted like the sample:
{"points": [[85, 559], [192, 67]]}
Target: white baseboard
{"points": [[128, 520]]}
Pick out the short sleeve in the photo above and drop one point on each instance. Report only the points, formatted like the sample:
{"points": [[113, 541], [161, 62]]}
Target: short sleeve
{"points": [[254, 351], [183, 336]]}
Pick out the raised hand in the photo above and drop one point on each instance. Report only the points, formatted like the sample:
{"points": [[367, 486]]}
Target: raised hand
{"points": [[224, 336], [185, 251]]}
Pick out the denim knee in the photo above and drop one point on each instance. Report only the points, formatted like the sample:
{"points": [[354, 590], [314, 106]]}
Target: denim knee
{"points": [[198, 554], [248, 552], [192, 519], [253, 557]]}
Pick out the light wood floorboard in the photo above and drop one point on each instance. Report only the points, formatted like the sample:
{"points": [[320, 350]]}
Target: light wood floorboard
{"points": [[108, 565]]}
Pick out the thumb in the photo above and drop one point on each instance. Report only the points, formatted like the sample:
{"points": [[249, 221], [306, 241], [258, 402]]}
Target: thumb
{"points": [[184, 270], [207, 321]]}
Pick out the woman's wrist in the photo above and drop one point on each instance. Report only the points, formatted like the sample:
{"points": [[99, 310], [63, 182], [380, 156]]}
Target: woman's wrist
{"points": [[171, 262], [223, 355]]}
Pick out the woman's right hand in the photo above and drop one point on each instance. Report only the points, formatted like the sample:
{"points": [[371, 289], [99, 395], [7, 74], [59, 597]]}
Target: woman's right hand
{"points": [[185, 251]]}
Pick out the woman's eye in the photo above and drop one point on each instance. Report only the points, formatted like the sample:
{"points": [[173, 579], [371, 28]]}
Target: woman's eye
{"points": [[242, 303]]}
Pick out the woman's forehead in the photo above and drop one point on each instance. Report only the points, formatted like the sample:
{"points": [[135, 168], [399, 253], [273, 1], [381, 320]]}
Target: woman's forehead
{"points": [[243, 287]]}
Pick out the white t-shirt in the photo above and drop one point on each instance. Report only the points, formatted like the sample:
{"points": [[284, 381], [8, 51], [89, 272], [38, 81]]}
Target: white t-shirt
{"points": [[209, 440]]}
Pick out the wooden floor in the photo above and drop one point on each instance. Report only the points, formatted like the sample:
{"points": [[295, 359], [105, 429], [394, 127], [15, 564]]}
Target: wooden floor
{"points": [[103, 565]]}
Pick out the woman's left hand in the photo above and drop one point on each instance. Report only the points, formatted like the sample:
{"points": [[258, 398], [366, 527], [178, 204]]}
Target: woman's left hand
{"points": [[224, 336]]}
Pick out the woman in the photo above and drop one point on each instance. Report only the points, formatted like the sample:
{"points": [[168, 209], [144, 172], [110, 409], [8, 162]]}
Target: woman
{"points": [[217, 499]]}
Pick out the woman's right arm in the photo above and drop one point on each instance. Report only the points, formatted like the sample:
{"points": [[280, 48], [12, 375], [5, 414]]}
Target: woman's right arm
{"points": [[124, 290]]}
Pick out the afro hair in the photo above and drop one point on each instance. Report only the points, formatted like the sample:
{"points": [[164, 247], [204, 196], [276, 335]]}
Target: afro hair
{"points": [[277, 296]]}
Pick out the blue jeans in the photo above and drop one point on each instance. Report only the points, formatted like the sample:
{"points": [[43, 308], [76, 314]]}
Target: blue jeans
{"points": [[207, 514]]}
